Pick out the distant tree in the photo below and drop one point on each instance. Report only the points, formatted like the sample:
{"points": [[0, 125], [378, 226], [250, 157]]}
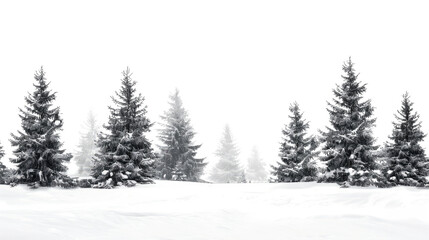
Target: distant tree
{"points": [[178, 153], [3, 169], [242, 178], [227, 169], [296, 151], [256, 171], [407, 163], [87, 147], [125, 155], [38, 153], [348, 142]]}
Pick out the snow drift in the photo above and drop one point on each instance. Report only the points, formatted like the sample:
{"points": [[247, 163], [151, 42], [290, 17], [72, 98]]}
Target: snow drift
{"points": [[183, 210]]}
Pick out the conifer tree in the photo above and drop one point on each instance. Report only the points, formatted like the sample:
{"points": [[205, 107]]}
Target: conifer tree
{"points": [[3, 169], [178, 153], [256, 171], [38, 153], [296, 151], [125, 155], [242, 178], [87, 146], [227, 169], [407, 163], [348, 142]]}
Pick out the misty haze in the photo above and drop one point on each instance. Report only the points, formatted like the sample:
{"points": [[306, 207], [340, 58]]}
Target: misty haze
{"points": [[214, 120]]}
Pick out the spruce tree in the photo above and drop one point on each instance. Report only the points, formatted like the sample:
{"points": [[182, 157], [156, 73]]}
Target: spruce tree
{"points": [[87, 146], [178, 153], [296, 151], [407, 163], [125, 155], [348, 142], [256, 171], [3, 170], [227, 169], [243, 177], [38, 153]]}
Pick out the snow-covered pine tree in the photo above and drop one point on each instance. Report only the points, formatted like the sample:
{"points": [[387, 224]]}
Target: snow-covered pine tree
{"points": [[242, 178], [178, 153], [256, 171], [348, 142], [407, 163], [125, 155], [296, 151], [227, 169], [38, 153], [87, 147], [3, 169]]}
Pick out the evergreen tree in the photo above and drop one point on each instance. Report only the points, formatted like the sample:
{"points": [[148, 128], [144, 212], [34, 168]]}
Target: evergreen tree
{"points": [[38, 152], [256, 171], [407, 163], [87, 146], [296, 151], [227, 169], [348, 142], [125, 155], [178, 161], [242, 178], [3, 170]]}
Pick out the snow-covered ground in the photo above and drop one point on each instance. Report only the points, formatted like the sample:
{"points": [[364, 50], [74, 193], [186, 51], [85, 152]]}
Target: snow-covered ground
{"points": [[179, 210]]}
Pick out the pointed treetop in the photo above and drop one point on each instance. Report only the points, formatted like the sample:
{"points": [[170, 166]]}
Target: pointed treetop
{"points": [[408, 126], [227, 142]]}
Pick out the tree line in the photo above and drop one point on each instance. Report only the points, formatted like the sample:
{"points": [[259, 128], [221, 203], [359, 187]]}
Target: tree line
{"points": [[345, 152]]}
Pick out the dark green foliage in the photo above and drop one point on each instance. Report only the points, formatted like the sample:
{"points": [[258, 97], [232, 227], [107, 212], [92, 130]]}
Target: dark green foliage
{"points": [[178, 153], [38, 152], [407, 163], [348, 142], [227, 169], [125, 156], [296, 151], [87, 147]]}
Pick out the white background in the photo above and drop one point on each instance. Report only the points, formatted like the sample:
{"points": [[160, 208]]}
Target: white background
{"points": [[236, 62]]}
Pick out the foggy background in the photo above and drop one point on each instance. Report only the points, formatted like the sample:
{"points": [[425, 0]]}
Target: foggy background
{"points": [[235, 62]]}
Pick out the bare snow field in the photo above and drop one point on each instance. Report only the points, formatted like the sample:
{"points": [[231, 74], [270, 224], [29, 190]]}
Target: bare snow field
{"points": [[181, 210]]}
